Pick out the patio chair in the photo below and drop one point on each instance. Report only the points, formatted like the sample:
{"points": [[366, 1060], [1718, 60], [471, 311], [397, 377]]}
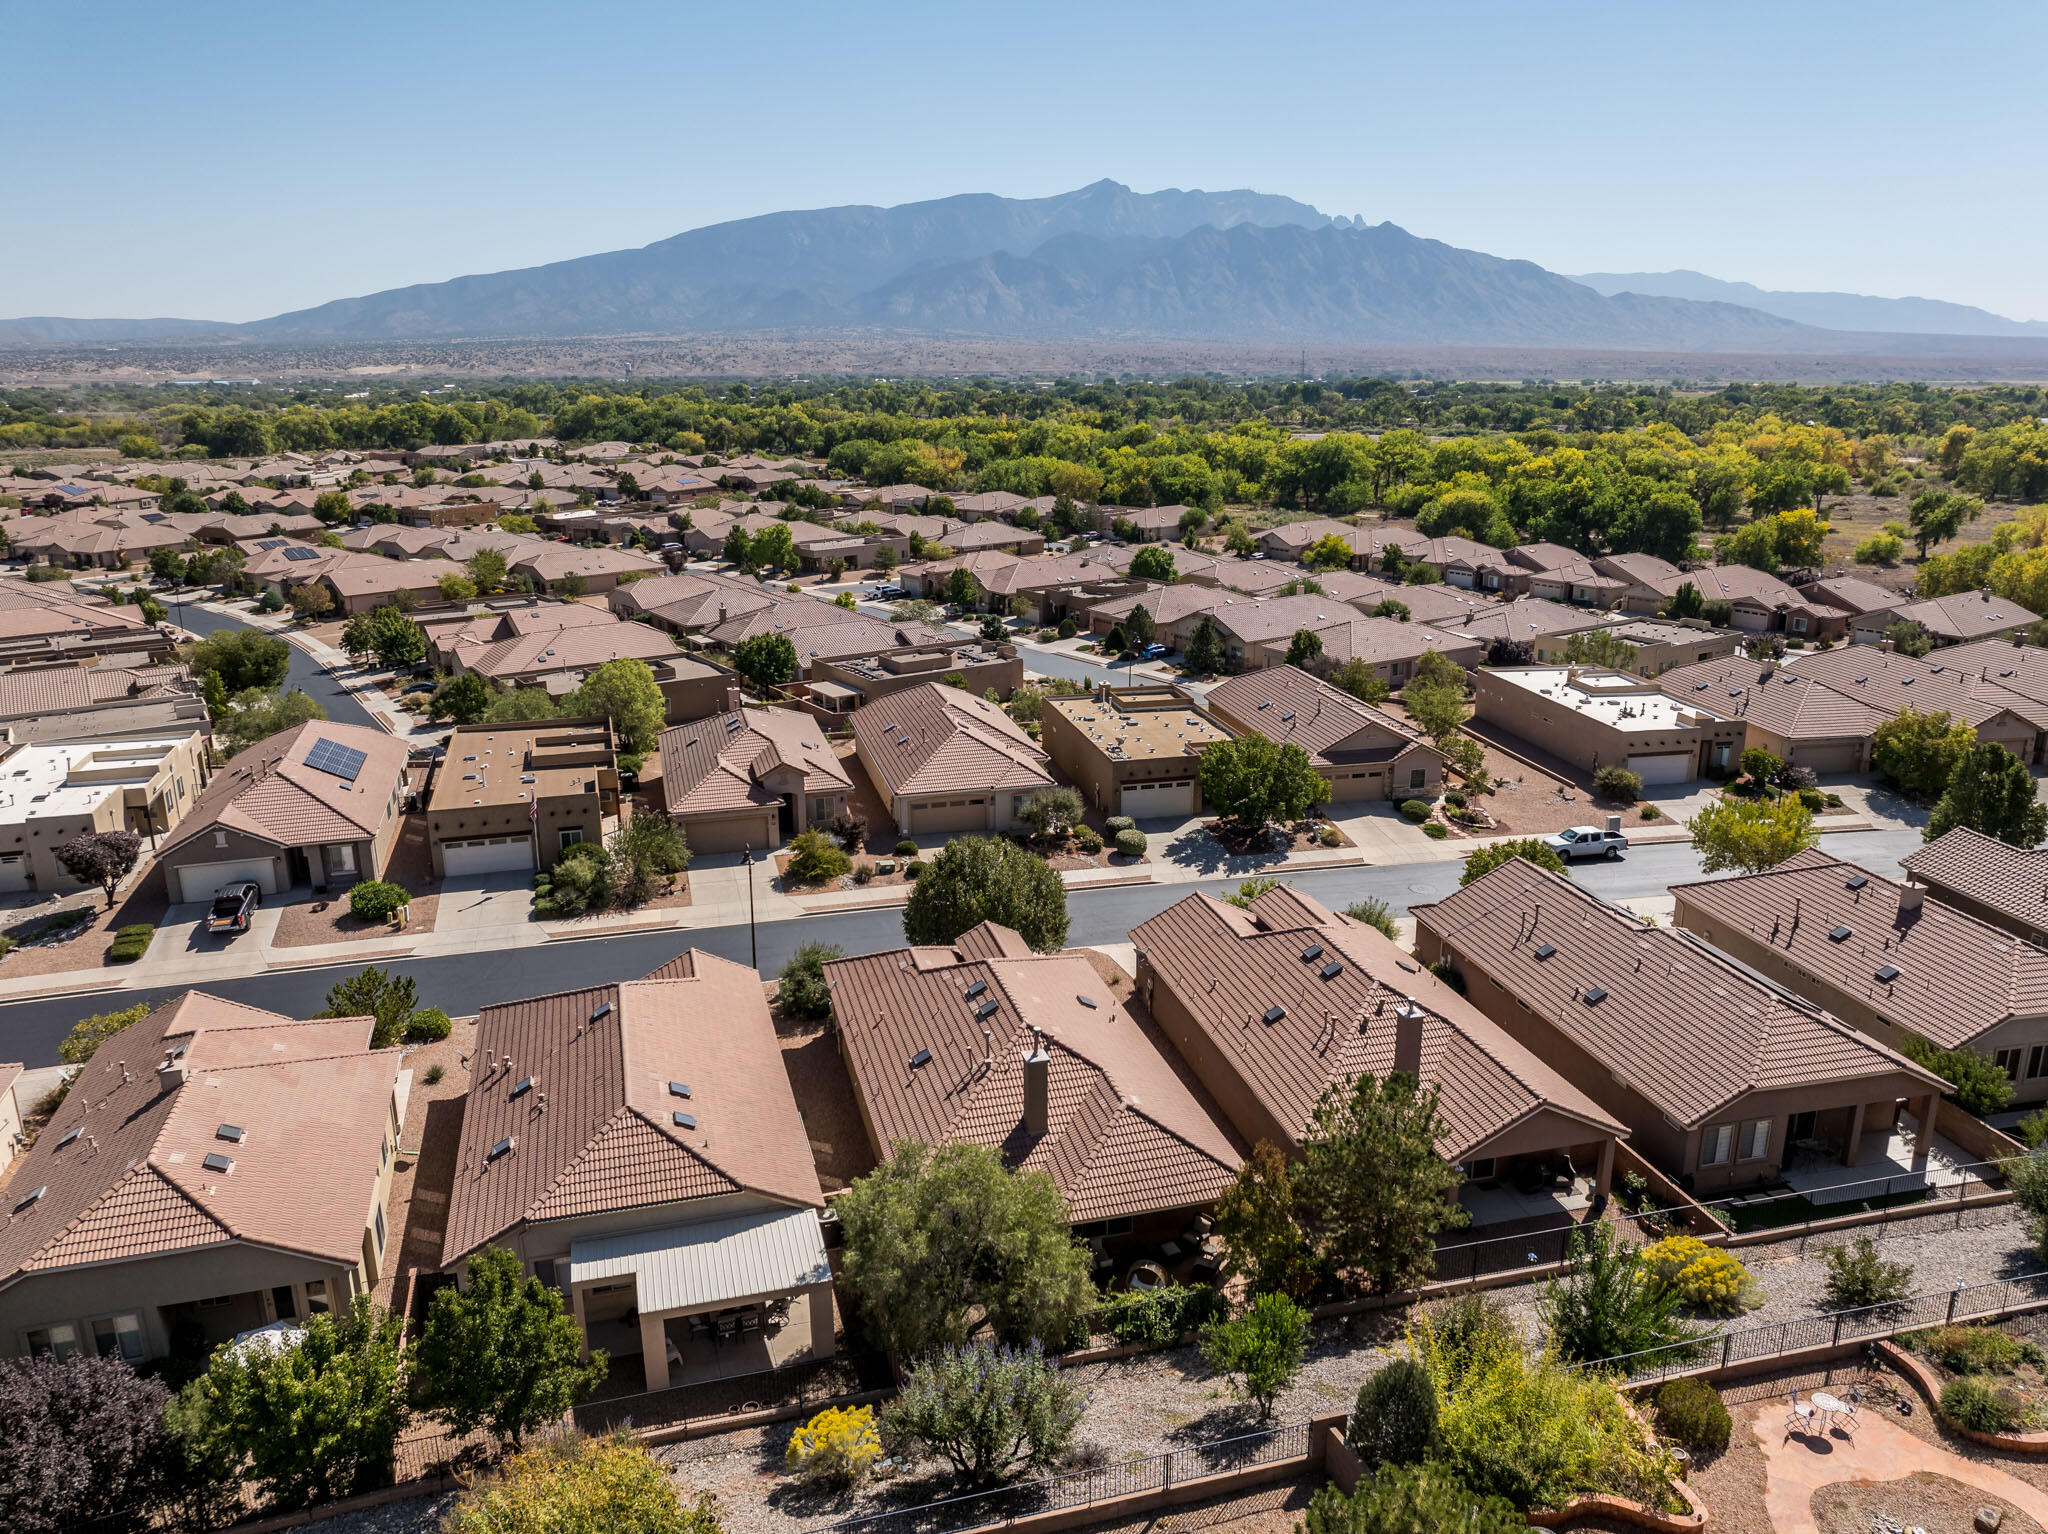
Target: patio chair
{"points": [[1800, 1418], [750, 1321]]}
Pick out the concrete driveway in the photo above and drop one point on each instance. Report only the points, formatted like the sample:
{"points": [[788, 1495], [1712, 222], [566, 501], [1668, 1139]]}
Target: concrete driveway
{"points": [[475, 901]]}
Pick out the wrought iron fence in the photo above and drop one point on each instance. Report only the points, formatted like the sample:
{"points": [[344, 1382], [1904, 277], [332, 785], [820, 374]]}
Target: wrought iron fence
{"points": [[1719, 1350], [807, 1384], [1551, 1244], [1082, 1488]]}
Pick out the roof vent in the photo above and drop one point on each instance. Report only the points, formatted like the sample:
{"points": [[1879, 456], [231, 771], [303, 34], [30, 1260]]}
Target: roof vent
{"points": [[601, 1012], [522, 1086], [1857, 882], [215, 1161], [974, 990], [1595, 995], [678, 1089], [1838, 935], [921, 1058], [1313, 951], [33, 1194], [686, 1121], [1265, 703], [1086, 1001], [1861, 680], [71, 1134], [1886, 975], [232, 1133], [500, 1148], [1275, 1013], [1332, 970], [988, 1008], [1546, 951]]}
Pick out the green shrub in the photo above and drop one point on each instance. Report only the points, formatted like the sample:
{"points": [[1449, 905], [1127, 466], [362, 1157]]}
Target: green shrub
{"points": [[1981, 1085], [1834, 801], [1705, 1277], [1117, 823], [580, 879], [1264, 1348], [1455, 798], [1690, 1413], [1330, 836], [1086, 839], [1374, 912], [815, 857], [64, 921], [1415, 809], [377, 900], [1650, 812], [906, 848], [863, 874], [1067, 628], [1394, 1420], [1618, 784], [426, 1025], [802, 987], [1813, 799], [1155, 1318], [1978, 1405], [1435, 830], [131, 943], [1405, 1499], [1976, 1350], [1131, 843], [434, 1074], [912, 869], [1858, 1278]]}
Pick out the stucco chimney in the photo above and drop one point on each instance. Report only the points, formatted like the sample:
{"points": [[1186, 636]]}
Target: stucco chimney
{"points": [[1912, 897], [1037, 1087], [1408, 1039]]}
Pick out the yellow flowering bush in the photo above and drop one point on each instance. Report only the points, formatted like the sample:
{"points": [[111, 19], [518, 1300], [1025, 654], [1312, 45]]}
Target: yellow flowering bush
{"points": [[838, 1447], [578, 1486], [1706, 1277]]}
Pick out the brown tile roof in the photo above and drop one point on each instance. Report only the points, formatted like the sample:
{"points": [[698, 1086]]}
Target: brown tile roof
{"points": [[1229, 967], [269, 792], [1125, 1136], [1781, 700], [2017, 667], [716, 764], [1965, 615], [1680, 1023], [1287, 705], [2013, 881], [1847, 594], [1957, 976], [934, 739], [596, 1131], [1528, 618], [1888, 682], [314, 1103], [1377, 641], [820, 631], [73, 688], [578, 647]]}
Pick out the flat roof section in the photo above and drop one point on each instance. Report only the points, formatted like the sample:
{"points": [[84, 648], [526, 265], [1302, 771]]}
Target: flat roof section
{"points": [[1613, 698], [1159, 724]]}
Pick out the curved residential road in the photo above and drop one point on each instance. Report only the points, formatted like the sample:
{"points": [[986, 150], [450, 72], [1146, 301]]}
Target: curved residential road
{"points": [[307, 674], [30, 1030]]}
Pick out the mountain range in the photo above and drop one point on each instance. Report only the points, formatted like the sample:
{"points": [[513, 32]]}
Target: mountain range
{"points": [[1102, 262]]}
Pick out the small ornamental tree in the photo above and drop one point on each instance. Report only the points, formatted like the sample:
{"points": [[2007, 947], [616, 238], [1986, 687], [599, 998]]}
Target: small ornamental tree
{"points": [[462, 699], [1394, 1420], [1751, 835], [1919, 752], [990, 1412], [390, 999], [104, 858], [242, 658], [646, 851], [85, 1446], [814, 857], [976, 879], [1375, 1191], [1263, 1240], [625, 692], [1153, 562], [1053, 812], [802, 990], [1263, 1348], [766, 660], [89, 1033], [1607, 1303], [501, 1354], [1305, 648], [1205, 654], [1484, 860], [1254, 781], [1329, 552]]}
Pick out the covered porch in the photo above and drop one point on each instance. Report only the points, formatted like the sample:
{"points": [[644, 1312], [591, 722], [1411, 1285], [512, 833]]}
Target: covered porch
{"points": [[1517, 1176], [708, 1301], [1890, 1153]]}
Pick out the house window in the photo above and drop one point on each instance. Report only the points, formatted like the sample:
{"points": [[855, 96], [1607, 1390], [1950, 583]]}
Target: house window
{"points": [[1756, 1140], [316, 1297], [570, 836], [1717, 1145], [380, 1227], [2008, 1060], [1415, 778], [341, 858], [2037, 1061], [118, 1337], [61, 1339], [220, 838], [544, 1270], [1480, 1170]]}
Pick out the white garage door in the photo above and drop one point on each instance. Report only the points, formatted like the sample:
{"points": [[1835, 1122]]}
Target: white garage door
{"points": [[200, 880], [1142, 801], [13, 872], [1662, 769], [487, 855]]}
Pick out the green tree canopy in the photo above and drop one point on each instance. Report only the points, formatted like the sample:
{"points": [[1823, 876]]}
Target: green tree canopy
{"points": [[242, 659], [502, 1353], [1919, 752], [1750, 835], [255, 715], [1375, 1189], [625, 692], [1254, 781], [1154, 562], [1304, 648], [766, 660], [1205, 654], [976, 879], [1991, 791], [390, 999]]}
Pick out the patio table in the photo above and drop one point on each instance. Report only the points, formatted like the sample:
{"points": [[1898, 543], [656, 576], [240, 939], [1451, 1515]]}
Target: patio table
{"points": [[1827, 1404]]}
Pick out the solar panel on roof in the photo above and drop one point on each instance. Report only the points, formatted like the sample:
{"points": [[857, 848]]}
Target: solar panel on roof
{"points": [[273, 543], [331, 756], [301, 553]]}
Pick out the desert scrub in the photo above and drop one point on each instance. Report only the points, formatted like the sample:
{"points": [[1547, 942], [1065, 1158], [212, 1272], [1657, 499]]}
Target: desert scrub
{"points": [[1690, 1414], [1706, 1277], [1975, 1403], [838, 1447], [1975, 1350]]}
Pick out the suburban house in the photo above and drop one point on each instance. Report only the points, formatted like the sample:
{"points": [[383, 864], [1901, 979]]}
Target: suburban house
{"points": [[566, 568], [1390, 647], [1273, 1006], [691, 602], [515, 795], [1290, 540], [321, 805], [213, 1169], [1984, 877], [2011, 664], [1884, 957], [1132, 751], [638, 1147], [1758, 601], [750, 779], [455, 638], [945, 760], [64, 700], [1594, 718], [1960, 618], [558, 659], [1539, 622], [1574, 582], [1359, 751], [1723, 1079], [359, 583], [52, 793], [1783, 711], [984, 1042], [1852, 597], [843, 685], [1888, 682]]}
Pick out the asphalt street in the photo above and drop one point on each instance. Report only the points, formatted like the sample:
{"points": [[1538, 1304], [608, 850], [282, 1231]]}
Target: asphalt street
{"points": [[461, 983], [306, 674]]}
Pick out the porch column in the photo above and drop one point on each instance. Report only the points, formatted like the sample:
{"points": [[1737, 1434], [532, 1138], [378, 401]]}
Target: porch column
{"points": [[582, 1326], [654, 1351], [822, 1345], [1924, 1110], [1854, 1141], [1604, 1178]]}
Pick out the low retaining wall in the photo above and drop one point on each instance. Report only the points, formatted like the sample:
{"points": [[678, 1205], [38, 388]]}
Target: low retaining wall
{"points": [[704, 1427], [1929, 1385], [1969, 1133], [428, 1486]]}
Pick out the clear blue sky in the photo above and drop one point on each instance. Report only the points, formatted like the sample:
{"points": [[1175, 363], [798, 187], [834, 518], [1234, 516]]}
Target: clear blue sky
{"points": [[228, 160]]}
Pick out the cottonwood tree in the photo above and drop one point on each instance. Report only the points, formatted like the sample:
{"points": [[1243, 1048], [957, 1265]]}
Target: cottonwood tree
{"points": [[104, 858]]}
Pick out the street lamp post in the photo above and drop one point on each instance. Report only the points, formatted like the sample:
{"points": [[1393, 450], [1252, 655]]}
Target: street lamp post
{"points": [[753, 944]]}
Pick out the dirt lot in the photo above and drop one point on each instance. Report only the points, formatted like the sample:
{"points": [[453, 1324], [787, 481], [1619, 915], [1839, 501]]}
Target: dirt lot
{"points": [[824, 1099], [325, 918], [417, 1210]]}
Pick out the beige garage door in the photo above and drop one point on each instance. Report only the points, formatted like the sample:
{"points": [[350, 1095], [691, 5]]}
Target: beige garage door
{"points": [[487, 855], [1156, 801], [1829, 756], [1662, 769], [969, 812], [757, 832], [1347, 785], [200, 880], [13, 872]]}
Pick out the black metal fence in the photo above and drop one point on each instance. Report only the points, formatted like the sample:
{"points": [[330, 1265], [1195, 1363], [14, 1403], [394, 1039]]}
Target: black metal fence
{"points": [[1083, 1488], [809, 1384], [1965, 1302]]}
